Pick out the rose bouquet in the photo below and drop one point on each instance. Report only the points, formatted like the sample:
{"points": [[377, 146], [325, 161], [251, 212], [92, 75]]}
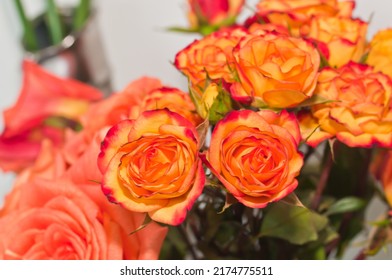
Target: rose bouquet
{"points": [[275, 152]]}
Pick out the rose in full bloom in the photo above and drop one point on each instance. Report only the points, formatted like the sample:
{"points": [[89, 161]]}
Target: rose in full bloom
{"points": [[296, 14], [56, 220], [275, 70], [359, 111], [213, 12], [210, 56], [255, 155], [381, 168], [54, 213], [344, 37], [151, 165], [46, 105], [380, 53]]}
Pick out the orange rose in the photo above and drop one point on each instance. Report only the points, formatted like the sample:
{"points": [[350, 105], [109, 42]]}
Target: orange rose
{"points": [[277, 71], [211, 56], [380, 54], [360, 114], [344, 37], [213, 12], [173, 99], [262, 29], [46, 105], [255, 155], [297, 13], [151, 165], [381, 168]]}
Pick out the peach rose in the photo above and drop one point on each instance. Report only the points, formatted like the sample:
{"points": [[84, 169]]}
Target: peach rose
{"points": [[381, 168], [344, 37], [46, 105], [151, 165], [56, 220], [213, 12], [210, 56], [275, 70], [255, 155], [380, 54], [53, 213], [297, 13], [359, 113]]}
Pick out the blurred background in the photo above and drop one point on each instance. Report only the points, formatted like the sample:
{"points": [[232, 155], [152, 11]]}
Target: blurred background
{"points": [[136, 43]]}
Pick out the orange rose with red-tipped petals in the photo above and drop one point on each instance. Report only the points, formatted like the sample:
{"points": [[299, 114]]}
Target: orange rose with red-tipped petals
{"points": [[277, 71], [255, 155], [380, 53], [173, 99], [151, 165], [211, 56], [296, 14], [344, 37], [359, 111]]}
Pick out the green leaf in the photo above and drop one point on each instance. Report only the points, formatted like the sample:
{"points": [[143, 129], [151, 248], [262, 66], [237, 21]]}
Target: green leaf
{"points": [[54, 22], [298, 225], [29, 36], [347, 204], [81, 14], [182, 29]]}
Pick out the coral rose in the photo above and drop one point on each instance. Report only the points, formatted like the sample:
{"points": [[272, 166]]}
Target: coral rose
{"points": [[119, 106], [210, 56], [359, 113], [151, 165], [255, 155], [380, 54], [297, 13], [56, 220], [47, 104], [344, 37], [277, 71]]}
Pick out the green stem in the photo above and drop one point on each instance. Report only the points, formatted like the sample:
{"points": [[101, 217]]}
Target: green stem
{"points": [[54, 22], [81, 14], [29, 37]]}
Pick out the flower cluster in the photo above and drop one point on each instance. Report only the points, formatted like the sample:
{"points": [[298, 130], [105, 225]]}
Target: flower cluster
{"points": [[264, 95]]}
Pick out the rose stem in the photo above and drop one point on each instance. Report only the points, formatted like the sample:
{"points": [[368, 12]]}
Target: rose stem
{"points": [[184, 235], [323, 181]]}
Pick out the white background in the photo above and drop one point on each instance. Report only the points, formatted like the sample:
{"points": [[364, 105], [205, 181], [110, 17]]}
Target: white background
{"points": [[135, 41]]}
